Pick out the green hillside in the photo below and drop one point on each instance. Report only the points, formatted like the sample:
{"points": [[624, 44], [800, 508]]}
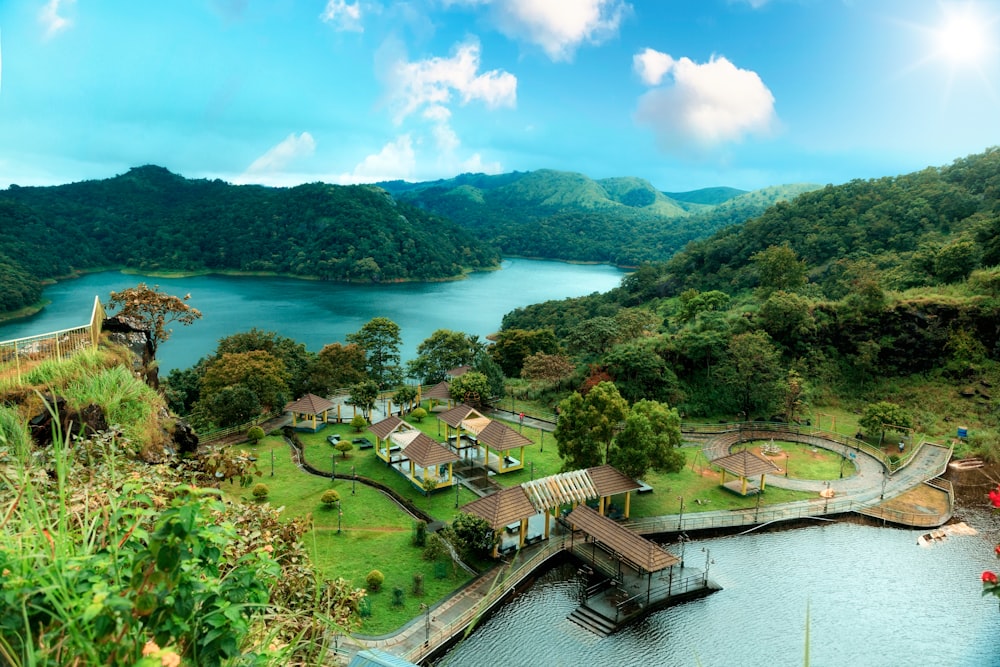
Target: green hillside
{"points": [[709, 196], [153, 220], [566, 215]]}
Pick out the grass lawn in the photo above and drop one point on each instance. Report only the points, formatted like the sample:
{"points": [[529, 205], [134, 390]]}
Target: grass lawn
{"points": [[807, 462]]}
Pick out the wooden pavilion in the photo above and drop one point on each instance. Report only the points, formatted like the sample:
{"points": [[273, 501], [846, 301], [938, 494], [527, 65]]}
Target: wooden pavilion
{"points": [[439, 392], [310, 412], [503, 439], [609, 481], [466, 422], [744, 464], [507, 506], [412, 453]]}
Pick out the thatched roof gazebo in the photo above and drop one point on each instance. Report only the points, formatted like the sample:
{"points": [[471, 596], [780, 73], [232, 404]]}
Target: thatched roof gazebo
{"points": [[308, 409], [744, 464]]}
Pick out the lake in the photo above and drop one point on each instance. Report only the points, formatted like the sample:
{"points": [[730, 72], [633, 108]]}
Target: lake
{"points": [[317, 313], [872, 597]]}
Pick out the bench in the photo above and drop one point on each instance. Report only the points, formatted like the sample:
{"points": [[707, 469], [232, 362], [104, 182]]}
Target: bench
{"points": [[363, 443]]}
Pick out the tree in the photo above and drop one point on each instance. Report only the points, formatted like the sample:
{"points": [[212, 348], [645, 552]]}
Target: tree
{"points": [[956, 261], [441, 352], [255, 434], [471, 388], [587, 426], [330, 498], [640, 372], [380, 340], [513, 346], [358, 423], [363, 396], [595, 335], [257, 370], [475, 533], [794, 399], [552, 368], [404, 397], [418, 415], [230, 406], [786, 318], [154, 310], [882, 416], [344, 446], [693, 303], [484, 363], [779, 268], [296, 359], [335, 367], [751, 372], [650, 438]]}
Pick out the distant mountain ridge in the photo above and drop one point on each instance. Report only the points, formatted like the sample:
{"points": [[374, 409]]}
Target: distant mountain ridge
{"points": [[568, 216]]}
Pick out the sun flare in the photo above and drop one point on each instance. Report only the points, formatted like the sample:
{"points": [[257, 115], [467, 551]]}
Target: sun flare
{"points": [[963, 39]]}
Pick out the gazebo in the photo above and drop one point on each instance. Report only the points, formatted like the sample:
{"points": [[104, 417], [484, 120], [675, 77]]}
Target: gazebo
{"points": [[308, 410], [744, 464], [398, 443], [439, 392], [609, 481], [467, 422], [500, 509], [502, 439]]}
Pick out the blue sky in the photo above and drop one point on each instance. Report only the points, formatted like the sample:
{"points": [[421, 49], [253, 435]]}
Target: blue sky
{"points": [[684, 93]]}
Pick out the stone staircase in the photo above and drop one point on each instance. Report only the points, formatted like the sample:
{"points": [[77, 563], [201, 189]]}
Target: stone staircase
{"points": [[589, 619]]}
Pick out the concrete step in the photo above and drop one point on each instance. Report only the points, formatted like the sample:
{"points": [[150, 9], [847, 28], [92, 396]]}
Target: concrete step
{"points": [[589, 619]]}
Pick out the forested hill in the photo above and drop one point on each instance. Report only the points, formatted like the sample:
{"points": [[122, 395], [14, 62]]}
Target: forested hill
{"points": [[152, 219], [568, 216], [930, 227]]}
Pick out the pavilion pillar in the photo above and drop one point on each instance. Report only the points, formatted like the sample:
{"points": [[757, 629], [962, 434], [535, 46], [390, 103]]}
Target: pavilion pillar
{"points": [[762, 481], [723, 476], [339, 420], [600, 506], [548, 518], [524, 530], [628, 499], [744, 485]]}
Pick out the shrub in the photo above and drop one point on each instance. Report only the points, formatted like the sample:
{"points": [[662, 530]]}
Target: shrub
{"points": [[374, 579], [420, 534], [255, 434], [358, 423], [344, 446], [398, 596], [418, 583], [418, 415], [330, 497], [260, 491]]}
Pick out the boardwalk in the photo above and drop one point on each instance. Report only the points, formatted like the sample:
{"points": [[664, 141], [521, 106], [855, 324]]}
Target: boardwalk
{"points": [[864, 493]]}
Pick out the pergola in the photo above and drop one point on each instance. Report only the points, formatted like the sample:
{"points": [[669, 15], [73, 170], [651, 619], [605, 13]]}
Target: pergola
{"points": [[500, 509], [744, 464], [308, 409]]}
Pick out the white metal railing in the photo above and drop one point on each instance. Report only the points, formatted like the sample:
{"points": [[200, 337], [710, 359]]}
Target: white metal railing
{"points": [[59, 345]]}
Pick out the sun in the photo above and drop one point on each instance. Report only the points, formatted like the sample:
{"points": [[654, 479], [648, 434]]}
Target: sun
{"points": [[964, 38]]}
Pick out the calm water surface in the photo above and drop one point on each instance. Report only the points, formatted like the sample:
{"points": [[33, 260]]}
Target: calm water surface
{"points": [[872, 595], [317, 313]]}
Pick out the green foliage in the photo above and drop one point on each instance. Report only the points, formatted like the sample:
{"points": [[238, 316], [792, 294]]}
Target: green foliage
{"points": [[587, 426], [779, 268], [344, 446], [260, 491], [335, 367], [296, 360], [330, 498], [751, 371], [257, 370], [363, 395], [471, 388], [255, 434], [343, 233], [417, 415], [153, 310], [404, 397], [374, 580], [884, 415], [650, 438], [513, 346], [358, 423], [418, 584], [485, 364], [551, 368], [420, 534], [380, 340], [443, 351], [474, 533]]}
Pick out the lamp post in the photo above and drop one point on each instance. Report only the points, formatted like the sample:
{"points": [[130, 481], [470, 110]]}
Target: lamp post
{"points": [[354, 479], [427, 623], [682, 538], [532, 471], [333, 468], [788, 457], [680, 517], [340, 517], [272, 463], [708, 560], [885, 480], [457, 489]]}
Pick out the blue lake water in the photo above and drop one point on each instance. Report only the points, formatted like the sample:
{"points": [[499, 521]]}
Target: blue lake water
{"points": [[317, 313]]}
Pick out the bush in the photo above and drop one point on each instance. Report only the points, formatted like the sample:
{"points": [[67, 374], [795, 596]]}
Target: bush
{"points": [[330, 497], [418, 583], [375, 579], [344, 446], [398, 596], [418, 415], [260, 491], [420, 534], [255, 434], [358, 423]]}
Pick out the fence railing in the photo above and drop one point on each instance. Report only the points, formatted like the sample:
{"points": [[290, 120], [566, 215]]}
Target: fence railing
{"points": [[24, 353], [218, 434]]}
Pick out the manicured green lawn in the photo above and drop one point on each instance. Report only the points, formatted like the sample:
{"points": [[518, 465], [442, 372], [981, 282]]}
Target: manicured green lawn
{"points": [[808, 462]]}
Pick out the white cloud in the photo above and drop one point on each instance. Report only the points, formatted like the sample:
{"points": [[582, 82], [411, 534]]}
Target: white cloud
{"points": [[475, 165], [559, 26], [396, 160], [51, 19], [343, 15], [432, 81], [707, 105], [651, 66], [278, 157]]}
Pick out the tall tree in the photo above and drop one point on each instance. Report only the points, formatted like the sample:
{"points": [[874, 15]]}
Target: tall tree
{"points": [[380, 340], [472, 388], [294, 356], [751, 372], [649, 439], [154, 310], [336, 367], [441, 352], [364, 395], [513, 346], [259, 371], [779, 268], [588, 424]]}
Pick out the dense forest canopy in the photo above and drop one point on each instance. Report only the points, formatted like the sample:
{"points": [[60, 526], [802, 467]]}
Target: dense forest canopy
{"points": [[568, 216], [153, 220]]}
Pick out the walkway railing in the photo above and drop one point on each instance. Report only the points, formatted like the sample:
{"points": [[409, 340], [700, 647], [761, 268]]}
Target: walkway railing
{"points": [[803, 509], [24, 353], [218, 434]]}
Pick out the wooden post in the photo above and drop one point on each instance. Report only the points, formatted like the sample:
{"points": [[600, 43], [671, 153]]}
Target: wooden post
{"points": [[628, 498]]}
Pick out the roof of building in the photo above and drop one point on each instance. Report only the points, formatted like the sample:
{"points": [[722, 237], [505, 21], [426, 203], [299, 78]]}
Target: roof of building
{"points": [[574, 486], [459, 370], [310, 404], [504, 507], [609, 481], [644, 555], [458, 414], [383, 428], [425, 451], [501, 437], [439, 391], [745, 463]]}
